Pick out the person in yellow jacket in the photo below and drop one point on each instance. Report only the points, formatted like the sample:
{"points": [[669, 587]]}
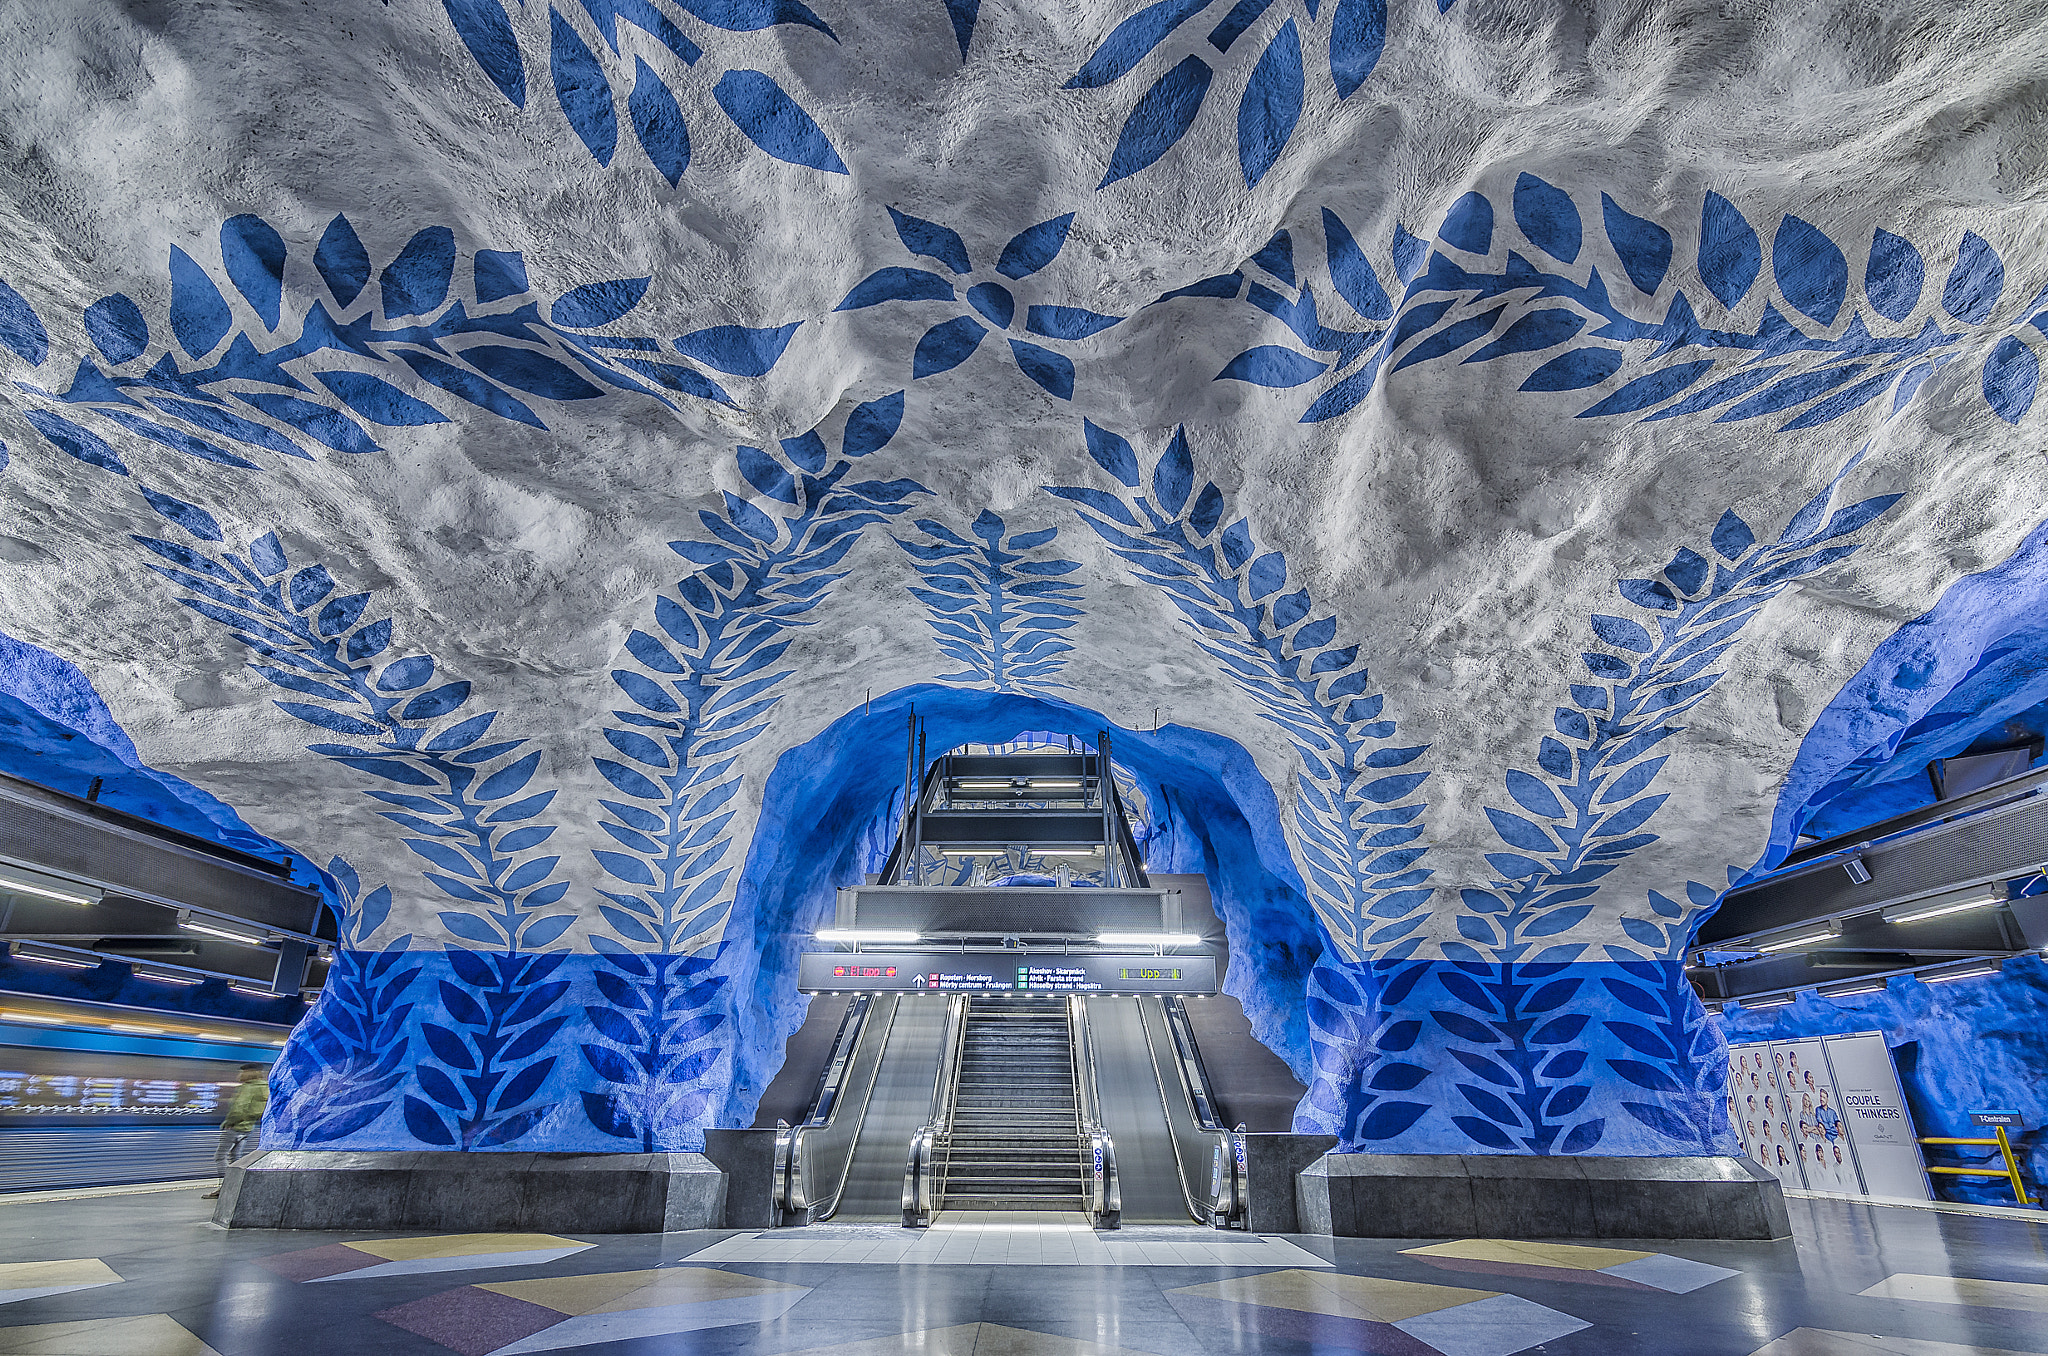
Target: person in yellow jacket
{"points": [[245, 1113]]}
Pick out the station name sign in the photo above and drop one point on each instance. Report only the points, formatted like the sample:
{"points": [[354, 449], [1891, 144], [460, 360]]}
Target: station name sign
{"points": [[1002, 972]]}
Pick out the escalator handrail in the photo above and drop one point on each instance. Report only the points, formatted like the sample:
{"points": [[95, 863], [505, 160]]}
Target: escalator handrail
{"points": [[1200, 1207], [923, 1192], [1194, 1074], [801, 1197], [1107, 1203]]}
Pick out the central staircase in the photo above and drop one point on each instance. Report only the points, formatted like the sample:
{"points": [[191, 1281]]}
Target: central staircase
{"points": [[1016, 1134]]}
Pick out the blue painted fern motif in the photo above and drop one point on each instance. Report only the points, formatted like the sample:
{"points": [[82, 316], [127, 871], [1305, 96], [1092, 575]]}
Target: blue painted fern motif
{"points": [[1352, 33], [585, 76], [338, 1071], [1354, 816], [1585, 809], [701, 685], [1683, 1057], [466, 805], [993, 607], [950, 343], [1526, 308], [488, 1066], [252, 389]]}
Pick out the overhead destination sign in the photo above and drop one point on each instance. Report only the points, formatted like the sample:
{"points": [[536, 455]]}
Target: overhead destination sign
{"points": [[1002, 972]]}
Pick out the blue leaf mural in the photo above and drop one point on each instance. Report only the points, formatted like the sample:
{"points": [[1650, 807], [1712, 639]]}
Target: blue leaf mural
{"points": [[998, 607], [775, 122]]}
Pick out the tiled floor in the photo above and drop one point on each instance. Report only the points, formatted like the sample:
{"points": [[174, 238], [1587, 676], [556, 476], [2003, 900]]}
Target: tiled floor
{"points": [[148, 1275]]}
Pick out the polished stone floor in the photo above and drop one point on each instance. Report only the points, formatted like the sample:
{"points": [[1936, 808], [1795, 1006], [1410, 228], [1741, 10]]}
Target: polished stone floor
{"points": [[148, 1275]]}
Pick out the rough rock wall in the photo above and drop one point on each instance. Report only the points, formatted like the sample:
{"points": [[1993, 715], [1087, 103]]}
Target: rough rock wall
{"points": [[477, 443]]}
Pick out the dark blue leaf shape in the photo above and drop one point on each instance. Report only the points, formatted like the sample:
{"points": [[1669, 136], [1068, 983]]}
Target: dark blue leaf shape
{"points": [[20, 329], [994, 302], [116, 328], [429, 705], [1159, 119], [736, 349], [498, 274], [1130, 40], [1644, 392], [1975, 282], [946, 345], [1732, 536], [379, 401], [254, 253], [1067, 322], [896, 284], [1468, 225], [1174, 476], [2012, 374], [1688, 570], [767, 475], [1241, 17], [1583, 1136], [343, 263], [1483, 1132], [199, 317], [1112, 453], [1516, 831], [426, 1124], [1580, 368], [527, 369], [751, 16], [1548, 218], [178, 440], [774, 122], [657, 122], [471, 387], [1622, 633], [1533, 796], [1643, 246], [872, 425], [416, 282], [1791, 391], [1389, 1119], [963, 13], [1651, 593], [487, 33], [1050, 370], [1266, 576], [1271, 365], [1532, 332], [1358, 34], [1450, 339], [1271, 105], [932, 240], [1812, 273], [1034, 247], [1730, 254], [193, 519], [1554, 757], [328, 426], [581, 89], [1276, 256], [1350, 272], [1894, 276]]}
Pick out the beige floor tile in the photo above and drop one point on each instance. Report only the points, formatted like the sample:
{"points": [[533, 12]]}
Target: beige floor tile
{"points": [[460, 1245], [1822, 1342], [2026, 1296], [1570, 1255], [69, 1271], [143, 1335]]}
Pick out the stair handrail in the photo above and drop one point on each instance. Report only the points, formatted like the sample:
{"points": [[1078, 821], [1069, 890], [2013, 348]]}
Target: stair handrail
{"points": [[923, 1185], [796, 1147], [1226, 1201], [1104, 1194]]}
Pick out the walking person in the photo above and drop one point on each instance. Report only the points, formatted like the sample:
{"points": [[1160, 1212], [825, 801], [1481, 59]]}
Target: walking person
{"points": [[245, 1113]]}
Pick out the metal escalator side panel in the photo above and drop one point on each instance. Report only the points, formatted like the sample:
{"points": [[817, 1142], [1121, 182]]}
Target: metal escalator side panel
{"points": [[1195, 1143], [1132, 1108], [897, 1106], [924, 1172], [822, 1154]]}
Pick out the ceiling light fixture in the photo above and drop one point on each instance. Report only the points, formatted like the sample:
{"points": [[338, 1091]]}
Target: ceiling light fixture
{"points": [[1035, 783], [1069, 852], [865, 935], [255, 990], [1790, 943], [1775, 1001], [20, 880], [1912, 913], [165, 976], [212, 929], [1966, 972], [983, 786], [48, 957], [1854, 991], [136, 1030], [1147, 939]]}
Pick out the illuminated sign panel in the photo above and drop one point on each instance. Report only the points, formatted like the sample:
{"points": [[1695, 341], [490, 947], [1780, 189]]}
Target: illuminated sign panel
{"points": [[1003, 972]]}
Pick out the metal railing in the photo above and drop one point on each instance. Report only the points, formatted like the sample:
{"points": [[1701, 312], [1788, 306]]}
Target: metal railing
{"points": [[1103, 1195], [822, 1146], [924, 1174], [2011, 1170]]}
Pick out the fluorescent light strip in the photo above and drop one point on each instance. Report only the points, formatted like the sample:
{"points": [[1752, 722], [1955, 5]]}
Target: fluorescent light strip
{"points": [[1147, 939], [1778, 1002], [49, 958], [1068, 852], [136, 1030], [35, 1017], [1947, 975], [253, 989], [1942, 910], [1073, 785], [223, 933], [166, 976], [984, 786], [21, 880], [1853, 993], [1788, 943], [864, 935]]}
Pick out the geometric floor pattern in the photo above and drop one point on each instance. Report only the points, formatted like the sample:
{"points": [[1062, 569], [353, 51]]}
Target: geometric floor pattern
{"points": [[2026, 1296], [1623, 1268], [982, 1239], [140, 1335], [508, 1318], [1822, 1342], [1369, 1314], [33, 1280], [367, 1258]]}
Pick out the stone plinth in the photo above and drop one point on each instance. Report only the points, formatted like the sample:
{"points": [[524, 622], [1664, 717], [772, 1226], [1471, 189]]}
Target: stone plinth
{"points": [[1501, 1196], [1271, 1165], [480, 1192]]}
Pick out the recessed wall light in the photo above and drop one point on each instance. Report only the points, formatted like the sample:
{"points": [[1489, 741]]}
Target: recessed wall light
{"points": [[1792, 943], [24, 881], [27, 951], [1915, 913], [1965, 972], [865, 935], [222, 931], [1775, 1001]]}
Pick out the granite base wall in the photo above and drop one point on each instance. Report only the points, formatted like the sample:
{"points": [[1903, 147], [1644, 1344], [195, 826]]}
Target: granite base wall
{"points": [[1451, 1196]]}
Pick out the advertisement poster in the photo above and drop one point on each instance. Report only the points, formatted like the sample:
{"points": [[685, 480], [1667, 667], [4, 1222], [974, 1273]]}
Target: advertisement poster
{"points": [[1757, 1105], [1821, 1135], [1874, 1110]]}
